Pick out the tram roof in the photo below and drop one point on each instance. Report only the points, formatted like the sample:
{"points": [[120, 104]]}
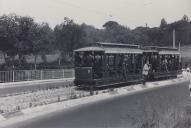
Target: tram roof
{"points": [[169, 52], [123, 50], [161, 50], [105, 44], [109, 50], [86, 49], [113, 48]]}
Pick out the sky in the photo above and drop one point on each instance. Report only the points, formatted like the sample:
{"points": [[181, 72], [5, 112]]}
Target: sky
{"points": [[130, 13]]}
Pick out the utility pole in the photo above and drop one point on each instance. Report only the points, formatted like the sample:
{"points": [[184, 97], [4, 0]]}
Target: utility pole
{"points": [[174, 38], [179, 47], [146, 25]]}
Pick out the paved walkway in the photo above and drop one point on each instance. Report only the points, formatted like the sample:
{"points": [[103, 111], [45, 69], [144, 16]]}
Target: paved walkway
{"points": [[28, 83], [14, 88]]}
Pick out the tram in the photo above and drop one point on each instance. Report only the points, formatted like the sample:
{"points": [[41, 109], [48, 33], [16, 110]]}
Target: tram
{"points": [[108, 64]]}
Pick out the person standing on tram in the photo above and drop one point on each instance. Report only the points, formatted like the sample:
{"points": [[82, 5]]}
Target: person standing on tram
{"points": [[145, 72]]}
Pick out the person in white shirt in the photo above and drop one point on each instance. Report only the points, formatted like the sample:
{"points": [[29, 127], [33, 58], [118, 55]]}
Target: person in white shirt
{"points": [[188, 69], [145, 72]]}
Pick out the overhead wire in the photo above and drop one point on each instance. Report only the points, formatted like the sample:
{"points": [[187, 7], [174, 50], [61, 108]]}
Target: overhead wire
{"points": [[110, 16], [88, 10]]}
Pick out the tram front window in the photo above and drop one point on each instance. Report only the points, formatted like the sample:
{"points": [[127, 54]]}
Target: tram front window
{"points": [[88, 59], [78, 59], [83, 59]]}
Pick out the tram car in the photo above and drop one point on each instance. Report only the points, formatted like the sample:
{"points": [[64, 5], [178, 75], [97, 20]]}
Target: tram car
{"points": [[108, 64]]}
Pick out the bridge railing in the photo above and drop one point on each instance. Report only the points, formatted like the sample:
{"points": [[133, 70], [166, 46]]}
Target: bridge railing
{"points": [[29, 75]]}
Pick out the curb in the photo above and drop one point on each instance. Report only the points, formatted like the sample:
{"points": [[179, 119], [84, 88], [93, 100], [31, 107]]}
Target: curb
{"points": [[8, 89], [29, 83], [12, 114], [2, 118]]}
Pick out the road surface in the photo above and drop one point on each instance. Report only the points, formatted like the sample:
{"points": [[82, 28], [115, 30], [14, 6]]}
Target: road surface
{"points": [[119, 112]]}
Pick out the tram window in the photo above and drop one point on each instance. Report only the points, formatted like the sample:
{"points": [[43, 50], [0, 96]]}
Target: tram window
{"points": [[88, 60], [133, 58], [136, 63], [163, 63], [127, 59], [78, 59], [169, 64], [97, 66], [130, 63], [173, 62], [177, 62], [98, 60], [160, 62], [117, 60], [155, 63], [83, 59], [120, 63], [111, 60]]}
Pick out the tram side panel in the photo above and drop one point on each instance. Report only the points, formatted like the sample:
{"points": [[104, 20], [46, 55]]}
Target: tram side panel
{"points": [[83, 76]]}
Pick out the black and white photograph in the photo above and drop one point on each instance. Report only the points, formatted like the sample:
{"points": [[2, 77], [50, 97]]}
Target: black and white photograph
{"points": [[95, 63]]}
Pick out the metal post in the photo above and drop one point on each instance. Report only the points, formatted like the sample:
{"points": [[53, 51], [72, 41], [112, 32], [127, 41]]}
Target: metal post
{"points": [[179, 47], [73, 71], [63, 73], [52, 74], [28, 75], [41, 74], [13, 76]]}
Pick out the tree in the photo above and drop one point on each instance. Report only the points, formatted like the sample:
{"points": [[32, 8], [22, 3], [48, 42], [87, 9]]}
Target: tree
{"points": [[8, 37], [185, 18], [163, 23], [42, 42], [68, 36], [110, 25], [140, 35], [25, 38], [21, 36], [92, 34], [117, 33]]}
